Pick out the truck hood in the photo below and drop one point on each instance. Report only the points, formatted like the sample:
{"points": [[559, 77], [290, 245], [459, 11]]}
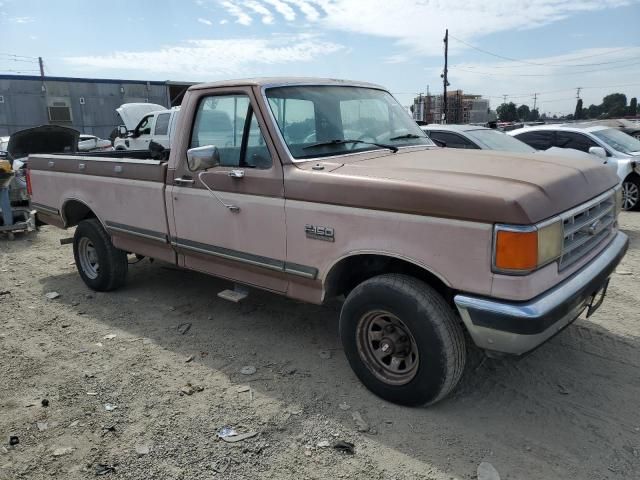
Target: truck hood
{"points": [[43, 139], [132, 113], [487, 186]]}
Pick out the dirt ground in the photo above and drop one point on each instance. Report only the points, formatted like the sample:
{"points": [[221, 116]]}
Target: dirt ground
{"points": [[173, 373]]}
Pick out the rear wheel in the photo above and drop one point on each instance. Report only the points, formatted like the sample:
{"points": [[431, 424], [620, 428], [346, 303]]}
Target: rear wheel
{"points": [[102, 266], [402, 340], [631, 193]]}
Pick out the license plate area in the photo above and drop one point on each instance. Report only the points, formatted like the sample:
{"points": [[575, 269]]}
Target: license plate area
{"points": [[596, 299]]}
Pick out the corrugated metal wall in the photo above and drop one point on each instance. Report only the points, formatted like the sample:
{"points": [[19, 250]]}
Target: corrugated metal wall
{"points": [[23, 102]]}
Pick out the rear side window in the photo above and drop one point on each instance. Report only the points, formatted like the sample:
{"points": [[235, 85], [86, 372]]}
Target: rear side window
{"points": [[452, 140], [540, 140], [574, 140], [162, 124]]}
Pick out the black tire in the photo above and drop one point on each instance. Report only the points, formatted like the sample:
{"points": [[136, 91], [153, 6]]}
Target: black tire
{"points": [[631, 184], [112, 264], [431, 325]]}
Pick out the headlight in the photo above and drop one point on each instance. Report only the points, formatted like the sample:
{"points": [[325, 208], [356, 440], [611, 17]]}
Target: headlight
{"points": [[520, 250]]}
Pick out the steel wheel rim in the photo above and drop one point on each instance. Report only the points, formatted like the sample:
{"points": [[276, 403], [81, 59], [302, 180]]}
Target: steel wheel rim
{"points": [[630, 195], [387, 347], [88, 257]]}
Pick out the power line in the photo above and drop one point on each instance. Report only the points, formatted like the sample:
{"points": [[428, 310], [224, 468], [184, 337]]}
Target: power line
{"points": [[17, 56], [540, 74], [538, 64]]}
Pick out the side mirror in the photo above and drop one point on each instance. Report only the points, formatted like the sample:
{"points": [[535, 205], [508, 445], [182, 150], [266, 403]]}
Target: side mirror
{"points": [[203, 158], [122, 131], [598, 152]]}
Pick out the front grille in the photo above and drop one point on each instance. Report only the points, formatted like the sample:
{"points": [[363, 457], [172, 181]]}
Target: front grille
{"points": [[585, 227]]}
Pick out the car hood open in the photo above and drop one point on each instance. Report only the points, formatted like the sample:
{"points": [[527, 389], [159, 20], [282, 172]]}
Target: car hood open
{"points": [[132, 113], [43, 139]]}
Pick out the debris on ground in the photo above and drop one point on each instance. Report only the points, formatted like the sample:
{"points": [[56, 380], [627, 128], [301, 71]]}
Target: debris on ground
{"points": [[74, 423], [344, 406], [110, 407], [563, 390], [103, 469], [221, 466], [243, 388], [324, 354], [189, 389], [239, 437], [183, 328], [109, 336], [344, 447], [189, 359], [42, 426], [92, 394], [361, 424], [59, 452], [52, 295], [486, 471], [226, 432], [13, 440], [45, 402], [142, 450], [248, 370], [5, 292], [323, 444]]}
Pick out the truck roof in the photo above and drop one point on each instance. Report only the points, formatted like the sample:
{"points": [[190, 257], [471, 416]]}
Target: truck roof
{"points": [[284, 81]]}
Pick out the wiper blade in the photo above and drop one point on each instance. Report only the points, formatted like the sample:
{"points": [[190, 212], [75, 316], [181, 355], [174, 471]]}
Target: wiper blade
{"points": [[406, 136], [339, 141]]}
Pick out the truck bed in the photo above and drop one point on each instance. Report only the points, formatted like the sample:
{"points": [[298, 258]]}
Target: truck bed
{"points": [[65, 186]]}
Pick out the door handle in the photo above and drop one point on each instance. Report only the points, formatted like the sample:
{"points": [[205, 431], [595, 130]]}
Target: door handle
{"points": [[236, 173], [183, 181]]}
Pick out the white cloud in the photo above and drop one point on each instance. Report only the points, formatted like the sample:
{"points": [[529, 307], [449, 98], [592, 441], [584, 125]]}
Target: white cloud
{"points": [[22, 19], [213, 58], [554, 78], [205, 21], [418, 25], [223, 21], [242, 17]]}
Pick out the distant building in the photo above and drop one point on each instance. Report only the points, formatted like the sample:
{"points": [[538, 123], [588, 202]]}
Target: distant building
{"points": [[461, 108], [86, 104]]}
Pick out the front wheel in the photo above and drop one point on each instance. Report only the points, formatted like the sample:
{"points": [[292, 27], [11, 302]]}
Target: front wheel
{"points": [[402, 340], [631, 193], [102, 266]]}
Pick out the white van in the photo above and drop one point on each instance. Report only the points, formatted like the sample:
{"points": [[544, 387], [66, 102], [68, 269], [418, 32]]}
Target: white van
{"points": [[154, 126]]}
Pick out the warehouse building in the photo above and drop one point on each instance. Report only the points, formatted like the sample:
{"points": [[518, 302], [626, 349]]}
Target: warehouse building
{"points": [[88, 105]]}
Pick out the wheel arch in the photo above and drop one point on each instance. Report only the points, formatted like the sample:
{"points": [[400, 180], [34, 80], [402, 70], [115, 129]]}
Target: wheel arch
{"points": [[349, 271], [74, 211]]}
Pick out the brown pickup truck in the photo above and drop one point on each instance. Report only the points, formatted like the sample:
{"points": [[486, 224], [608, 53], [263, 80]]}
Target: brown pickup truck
{"points": [[316, 188]]}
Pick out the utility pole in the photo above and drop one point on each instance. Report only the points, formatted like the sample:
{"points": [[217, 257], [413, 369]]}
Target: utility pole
{"points": [[578, 92], [41, 67], [445, 82], [504, 98], [535, 99]]}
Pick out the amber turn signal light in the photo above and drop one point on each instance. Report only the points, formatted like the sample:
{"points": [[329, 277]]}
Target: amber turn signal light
{"points": [[516, 250]]}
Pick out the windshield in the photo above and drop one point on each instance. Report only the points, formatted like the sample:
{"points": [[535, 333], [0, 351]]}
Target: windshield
{"points": [[314, 120], [494, 140], [618, 140]]}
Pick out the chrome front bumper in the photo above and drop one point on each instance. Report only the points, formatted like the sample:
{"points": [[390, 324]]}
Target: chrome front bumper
{"points": [[517, 327]]}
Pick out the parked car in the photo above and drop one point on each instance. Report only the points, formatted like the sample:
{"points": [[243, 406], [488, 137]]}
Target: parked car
{"points": [[609, 143], [477, 137], [423, 242], [155, 126], [91, 143], [624, 125]]}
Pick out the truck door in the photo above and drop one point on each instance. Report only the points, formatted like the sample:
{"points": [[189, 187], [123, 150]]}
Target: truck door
{"points": [[142, 134], [229, 220]]}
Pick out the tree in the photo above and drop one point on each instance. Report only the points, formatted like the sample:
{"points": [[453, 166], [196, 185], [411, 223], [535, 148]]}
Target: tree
{"points": [[614, 105], [578, 113], [534, 115], [523, 113], [594, 111], [633, 106], [507, 112]]}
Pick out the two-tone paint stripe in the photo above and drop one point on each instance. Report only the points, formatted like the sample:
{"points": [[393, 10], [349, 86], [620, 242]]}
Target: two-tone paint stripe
{"points": [[220, 252]]}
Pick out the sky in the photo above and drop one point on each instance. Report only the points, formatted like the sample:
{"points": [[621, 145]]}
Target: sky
{"points": [[500, 47]]}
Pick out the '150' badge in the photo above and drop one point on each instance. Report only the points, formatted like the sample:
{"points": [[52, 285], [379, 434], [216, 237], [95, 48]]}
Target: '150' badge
{"points": [[320, 233]]}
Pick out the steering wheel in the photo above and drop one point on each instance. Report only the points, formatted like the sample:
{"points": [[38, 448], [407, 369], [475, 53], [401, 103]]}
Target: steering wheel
{"points": [[365, 137]]}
